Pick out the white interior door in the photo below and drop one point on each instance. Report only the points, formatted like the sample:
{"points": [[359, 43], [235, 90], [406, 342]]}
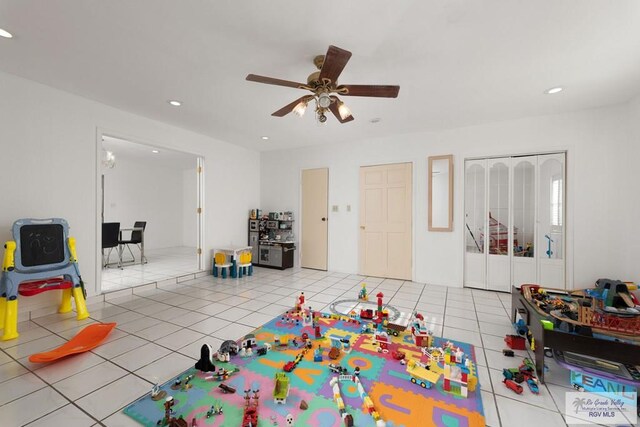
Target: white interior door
{"points": [[386, 221], [314, 233], [497, 234], [515, 222], [475, 261], [551, 220], [524, 190]]}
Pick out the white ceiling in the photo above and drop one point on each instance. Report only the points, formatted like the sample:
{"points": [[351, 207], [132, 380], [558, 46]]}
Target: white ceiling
{"points": [[457, 62], [140, 153]]}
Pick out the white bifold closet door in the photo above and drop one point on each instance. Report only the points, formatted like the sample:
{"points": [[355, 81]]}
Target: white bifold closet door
{"points": [[514, 214]]}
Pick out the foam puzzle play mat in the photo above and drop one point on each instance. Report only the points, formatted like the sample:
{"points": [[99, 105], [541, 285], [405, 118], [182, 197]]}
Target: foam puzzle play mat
{"points": [[307, 368]]}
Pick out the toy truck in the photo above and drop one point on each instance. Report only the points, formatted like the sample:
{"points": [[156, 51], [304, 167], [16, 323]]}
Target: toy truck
{"points": [[395, 329], [420, 375], [517, 388]]}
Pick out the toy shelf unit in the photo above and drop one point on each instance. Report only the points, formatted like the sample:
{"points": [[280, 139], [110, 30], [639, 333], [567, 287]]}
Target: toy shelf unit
{"points": [[271, 238]]}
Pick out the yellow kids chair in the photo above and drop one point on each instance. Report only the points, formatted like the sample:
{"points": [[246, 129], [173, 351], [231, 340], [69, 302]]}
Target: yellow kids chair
{"points": [[220, 263], [244, 264]]}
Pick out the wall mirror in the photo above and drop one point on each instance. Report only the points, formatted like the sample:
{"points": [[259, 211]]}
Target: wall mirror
{"points": [[441, 193]]}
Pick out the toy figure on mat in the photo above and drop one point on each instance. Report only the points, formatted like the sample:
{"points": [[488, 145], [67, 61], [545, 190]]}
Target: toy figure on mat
{"points": [[300, 303], [205, 364], [156, 393], [362, 295]]}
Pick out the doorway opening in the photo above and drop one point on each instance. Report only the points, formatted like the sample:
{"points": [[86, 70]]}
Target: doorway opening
{"points": [[150, 217]]}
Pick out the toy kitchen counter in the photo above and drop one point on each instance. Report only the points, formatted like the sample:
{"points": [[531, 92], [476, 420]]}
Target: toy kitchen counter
{"points": [[275, 254], [557, 322]]}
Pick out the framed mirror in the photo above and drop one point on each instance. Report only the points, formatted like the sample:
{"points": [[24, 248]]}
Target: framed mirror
{"points": [[441, 193]]}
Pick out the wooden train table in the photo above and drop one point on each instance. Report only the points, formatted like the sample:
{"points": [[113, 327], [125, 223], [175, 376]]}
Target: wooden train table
{"points": [[569, 338]]}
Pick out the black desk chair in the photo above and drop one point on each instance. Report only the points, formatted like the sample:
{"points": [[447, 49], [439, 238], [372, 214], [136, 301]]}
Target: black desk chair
{"points": [[110, 240], [136, 239]]}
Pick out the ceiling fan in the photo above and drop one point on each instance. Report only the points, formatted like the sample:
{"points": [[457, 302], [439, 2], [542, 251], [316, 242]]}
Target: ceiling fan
{"points": [[324, 87]]}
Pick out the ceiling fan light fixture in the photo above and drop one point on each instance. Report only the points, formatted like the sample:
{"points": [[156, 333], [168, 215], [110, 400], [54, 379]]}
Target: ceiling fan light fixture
{"points": [[6, 34], [324, 100], [299, 109], [343, 110]]}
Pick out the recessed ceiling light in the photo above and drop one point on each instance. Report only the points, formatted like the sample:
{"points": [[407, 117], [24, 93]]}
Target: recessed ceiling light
{"points": [[553, 90], [265, 137], [155, 151], [175, 103], [6, 34], [375, 120]]}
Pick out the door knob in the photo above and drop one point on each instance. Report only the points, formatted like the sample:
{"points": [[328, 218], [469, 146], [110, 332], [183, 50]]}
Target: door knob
{"points": [[324, 219], [362, 227]]}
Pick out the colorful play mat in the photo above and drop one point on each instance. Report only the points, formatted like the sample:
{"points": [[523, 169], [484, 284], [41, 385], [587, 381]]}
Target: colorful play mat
{"points": [[397, 400]]}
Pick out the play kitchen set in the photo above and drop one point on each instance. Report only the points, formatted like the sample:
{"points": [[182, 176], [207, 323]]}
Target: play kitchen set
{"points": [[271, 239]]}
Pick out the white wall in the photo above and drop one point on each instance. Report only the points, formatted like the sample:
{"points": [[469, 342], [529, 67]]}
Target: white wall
{"points": [[49, 164], [144, 191], [602, 179], [189, 206]]}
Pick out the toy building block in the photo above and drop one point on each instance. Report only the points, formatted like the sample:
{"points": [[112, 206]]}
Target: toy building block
{"points": [[281, 390], [515, 342]]}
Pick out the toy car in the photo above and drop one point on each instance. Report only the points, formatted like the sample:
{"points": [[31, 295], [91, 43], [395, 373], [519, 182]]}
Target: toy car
{"points": [[226, 389], [337, 368], [289, 366], [398, 355], [517, 388], [366, 314], [507, 352], [533, 386]]}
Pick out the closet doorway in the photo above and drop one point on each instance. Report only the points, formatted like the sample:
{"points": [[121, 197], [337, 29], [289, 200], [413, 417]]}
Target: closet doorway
{"points": [[515, 221], [386, 221]]}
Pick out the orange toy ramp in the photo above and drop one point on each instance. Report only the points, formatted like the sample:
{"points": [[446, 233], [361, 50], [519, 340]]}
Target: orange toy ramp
{"points": [[87, 339]]}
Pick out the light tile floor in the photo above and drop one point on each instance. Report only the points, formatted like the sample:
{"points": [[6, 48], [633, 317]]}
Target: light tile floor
{"points": [[160, 331], [161, 264]]}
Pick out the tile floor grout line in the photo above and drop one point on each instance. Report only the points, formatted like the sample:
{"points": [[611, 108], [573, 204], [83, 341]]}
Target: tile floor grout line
{"points": [[488, 369]]}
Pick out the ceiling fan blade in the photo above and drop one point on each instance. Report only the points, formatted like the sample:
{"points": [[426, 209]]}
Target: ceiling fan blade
{"points": [[380, 91], [272, 81], [334, 107], [334, 62], [289, 107]]}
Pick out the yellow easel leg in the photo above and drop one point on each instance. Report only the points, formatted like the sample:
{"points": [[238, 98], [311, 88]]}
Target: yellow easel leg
{"points": [[11, 322], [3, 311], [81, 306], [65, 305]]}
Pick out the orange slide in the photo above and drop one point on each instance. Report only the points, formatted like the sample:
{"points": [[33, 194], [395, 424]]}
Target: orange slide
{"points": [[85, 340]]}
